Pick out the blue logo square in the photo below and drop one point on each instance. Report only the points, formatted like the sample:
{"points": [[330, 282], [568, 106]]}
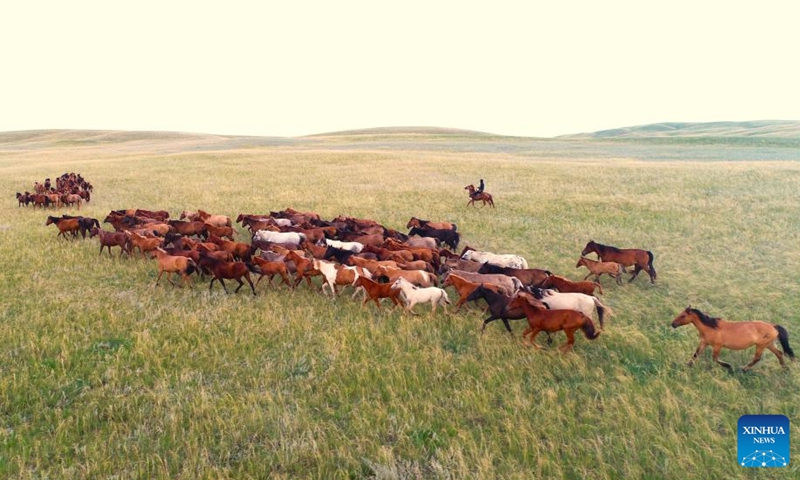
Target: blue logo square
{"points": [[763, 441]]}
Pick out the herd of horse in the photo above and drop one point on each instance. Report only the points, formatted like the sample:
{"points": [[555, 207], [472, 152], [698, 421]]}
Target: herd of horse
{"points": [[407, 268], [69, 189]]}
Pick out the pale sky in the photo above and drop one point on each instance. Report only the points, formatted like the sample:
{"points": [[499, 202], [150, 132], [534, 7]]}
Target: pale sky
{"points": [[293, 68]]}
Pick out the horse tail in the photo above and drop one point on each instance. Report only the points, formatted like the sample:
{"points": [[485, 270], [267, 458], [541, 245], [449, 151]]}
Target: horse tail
{"points": [[517, 284], [783, 337], [588, 328], [650, 264], [602, 311], [191, 267]]}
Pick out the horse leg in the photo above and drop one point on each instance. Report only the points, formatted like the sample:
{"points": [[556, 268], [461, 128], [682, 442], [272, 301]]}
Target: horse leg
{"points": [[223, 285], [697, 353], [587, 276], [488, 320], [532, 337], [715, 356], [252, 287], [241, 284], [169, 278], [567, 347], [777, 353], [636, 271], [756, 358], [160, 272]]}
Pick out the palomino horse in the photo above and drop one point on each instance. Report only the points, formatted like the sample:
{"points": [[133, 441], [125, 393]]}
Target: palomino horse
{"points": [[734, 335], [483, 196], [639, 259], [542, 319]]}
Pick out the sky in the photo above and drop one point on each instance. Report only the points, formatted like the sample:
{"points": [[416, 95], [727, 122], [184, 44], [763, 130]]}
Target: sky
{"points": [[294, 68]]}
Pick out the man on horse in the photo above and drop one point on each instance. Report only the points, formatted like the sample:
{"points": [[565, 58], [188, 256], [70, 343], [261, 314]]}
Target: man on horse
{"points": [[478, 191]]}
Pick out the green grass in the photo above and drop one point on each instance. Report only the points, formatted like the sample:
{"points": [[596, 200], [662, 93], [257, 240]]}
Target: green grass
{"points": [[102, 375]]}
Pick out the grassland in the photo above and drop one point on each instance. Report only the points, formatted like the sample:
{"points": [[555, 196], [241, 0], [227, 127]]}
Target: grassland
{"points": [[104, 376]]}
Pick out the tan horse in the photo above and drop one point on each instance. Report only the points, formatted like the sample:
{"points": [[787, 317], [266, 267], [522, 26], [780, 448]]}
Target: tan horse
{"points": [[612, 269], [483, 196], [734, 335], [184, 266]]}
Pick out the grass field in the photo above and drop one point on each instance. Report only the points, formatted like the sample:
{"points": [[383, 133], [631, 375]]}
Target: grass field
{"points": [[104, 376]]}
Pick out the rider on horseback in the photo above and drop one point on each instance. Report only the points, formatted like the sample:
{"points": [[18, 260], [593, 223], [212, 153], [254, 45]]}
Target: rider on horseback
{"points": [[478, 191]]}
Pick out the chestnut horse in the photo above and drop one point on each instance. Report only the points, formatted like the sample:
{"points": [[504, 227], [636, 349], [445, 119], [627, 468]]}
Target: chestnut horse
{"points": [[64, 225], [419, 223], [111, 239], [542, 319], [376, 291], [639, 259], [483, 196], [612, 269], [227, 270], [734, 335]]}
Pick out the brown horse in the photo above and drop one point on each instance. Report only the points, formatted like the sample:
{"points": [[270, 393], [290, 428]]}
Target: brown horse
{"points": [[483, 196], [565, 285], [144, 244], [271, 268], [465, 288], [734, 335], [376, 291], [542, 319], [111, 239], [64, 225], [612, 269], [184, 266], [419, 223], [221, 270], [639, 259]]}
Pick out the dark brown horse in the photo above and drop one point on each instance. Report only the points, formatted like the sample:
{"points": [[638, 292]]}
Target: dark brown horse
{"points": [[221, 270], [111, 239], [485, 197], [639, 259], [734, 335]]}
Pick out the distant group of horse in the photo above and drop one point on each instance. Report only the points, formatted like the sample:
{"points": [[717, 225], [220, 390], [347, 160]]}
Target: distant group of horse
{"points": [[407, 268], [69, 189]]}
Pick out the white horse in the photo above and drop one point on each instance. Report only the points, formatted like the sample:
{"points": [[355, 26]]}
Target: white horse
{"points": [[573, 301], [279, 237], [501, 260], [328, 270], [415, 295], [350, 246]]}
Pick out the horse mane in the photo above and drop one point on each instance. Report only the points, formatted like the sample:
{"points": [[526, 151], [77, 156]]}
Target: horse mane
{"points": [[712, 322]]}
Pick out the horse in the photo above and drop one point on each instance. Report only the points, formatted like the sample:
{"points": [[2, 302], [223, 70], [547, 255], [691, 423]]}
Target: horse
{"points": [[510, 285], [111, 239], [144, 244], [173, 264], [205, 217], [239, 250], [415, 295], [639, 259], [566, 285], [354, 247], [501, 260], [64, 225], [271, 268], [421, 242], [612, 269], [572, 301], [485, 197], [530, 277], [449, 237], [191, 227], [465, 288], [721, 333], [279, 237], [303, 268], [419, 278], [220, 270], [499, 306], [541, 319], [419, 223], [375, 291]]}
